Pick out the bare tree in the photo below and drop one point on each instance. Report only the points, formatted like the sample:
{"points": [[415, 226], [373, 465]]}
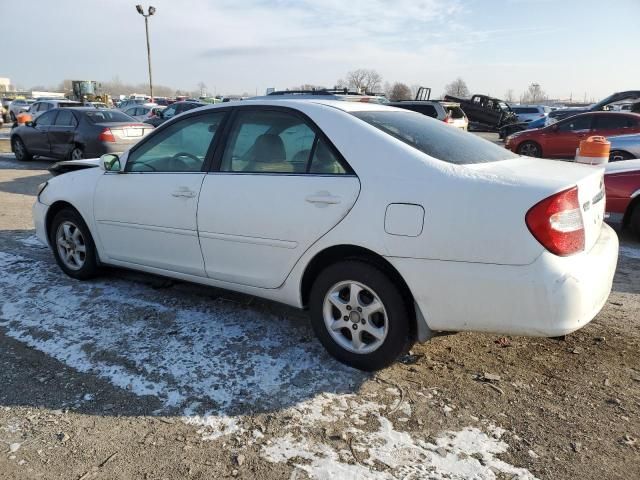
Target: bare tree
{"points": [[457, 88], [509, 96], [534, 94], [399, 91], [363, 80]]}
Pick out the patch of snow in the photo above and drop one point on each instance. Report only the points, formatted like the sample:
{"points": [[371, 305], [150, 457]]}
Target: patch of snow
{"points": [[32, 241], [390, 454], [14, 447]]}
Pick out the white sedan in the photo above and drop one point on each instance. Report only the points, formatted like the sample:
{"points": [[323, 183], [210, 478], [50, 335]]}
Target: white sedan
{"points": [[388, 225]]}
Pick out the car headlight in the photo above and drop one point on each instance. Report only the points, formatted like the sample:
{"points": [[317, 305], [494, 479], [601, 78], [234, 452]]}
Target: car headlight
{"points": [[41, 188]]}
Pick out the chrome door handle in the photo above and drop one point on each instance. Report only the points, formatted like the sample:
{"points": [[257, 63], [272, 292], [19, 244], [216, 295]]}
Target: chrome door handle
{"points": [[323, 198]]}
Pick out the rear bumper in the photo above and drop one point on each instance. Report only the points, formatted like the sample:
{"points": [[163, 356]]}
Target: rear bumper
{"points": [[553, 296]]}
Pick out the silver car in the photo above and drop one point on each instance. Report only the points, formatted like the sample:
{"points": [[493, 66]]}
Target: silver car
{"points": [[18, 106], [624, 147], [41, 106], [528, 113]]}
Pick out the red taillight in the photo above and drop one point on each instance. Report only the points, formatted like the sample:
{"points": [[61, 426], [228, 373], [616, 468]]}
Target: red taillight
{"points": [[106, 136], [556, 222], [448, 120]]}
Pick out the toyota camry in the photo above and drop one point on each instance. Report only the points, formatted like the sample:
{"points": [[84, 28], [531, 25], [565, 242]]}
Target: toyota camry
{"points": [[386, 224]]}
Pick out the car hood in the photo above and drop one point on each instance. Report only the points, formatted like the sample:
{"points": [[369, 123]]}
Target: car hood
{"points": [[66, 166]]}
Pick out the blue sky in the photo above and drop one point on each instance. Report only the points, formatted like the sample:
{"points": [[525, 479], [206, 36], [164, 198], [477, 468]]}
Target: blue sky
{"points": [[234, 46]]}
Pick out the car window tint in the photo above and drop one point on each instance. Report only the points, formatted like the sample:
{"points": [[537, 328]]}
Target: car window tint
{"points": [[268, 142], [436, 138], [65, 119], [46, 119], [324, 161], [612, 122], [524, 109], [428, 110], [182, 147], [582, 122], [169, 112]]}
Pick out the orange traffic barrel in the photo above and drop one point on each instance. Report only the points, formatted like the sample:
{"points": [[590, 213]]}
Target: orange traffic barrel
{"points": [[23, 118], [593, 151]]}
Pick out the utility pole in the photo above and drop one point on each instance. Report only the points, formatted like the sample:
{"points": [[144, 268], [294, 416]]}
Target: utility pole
{"points": [[146, 16]]}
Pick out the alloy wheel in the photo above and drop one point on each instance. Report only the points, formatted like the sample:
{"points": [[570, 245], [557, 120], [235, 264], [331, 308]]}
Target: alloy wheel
{"points": [[355, 317], [71, 245]]}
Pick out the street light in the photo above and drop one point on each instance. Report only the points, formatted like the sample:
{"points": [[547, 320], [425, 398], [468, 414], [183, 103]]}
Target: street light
{"points": [[151, 11]]}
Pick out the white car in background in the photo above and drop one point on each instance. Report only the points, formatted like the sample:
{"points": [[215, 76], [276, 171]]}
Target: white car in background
{"points": [[387, 224], [139, 112]]}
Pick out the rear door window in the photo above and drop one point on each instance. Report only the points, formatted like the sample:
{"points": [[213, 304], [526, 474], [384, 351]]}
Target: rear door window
{"points": [[611, 122], [435, 138], [65, 119]]}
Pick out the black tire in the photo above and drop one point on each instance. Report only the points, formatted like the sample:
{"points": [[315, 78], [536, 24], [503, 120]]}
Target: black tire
{"points": [[398, 316], [617, 155], [89, 268], [529, 149], [634, 221], [12, 117], [20, 150], [76, 150]]}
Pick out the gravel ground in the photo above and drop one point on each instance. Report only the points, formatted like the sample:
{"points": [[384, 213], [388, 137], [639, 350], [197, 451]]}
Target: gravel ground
{"points": [[133, 376]]}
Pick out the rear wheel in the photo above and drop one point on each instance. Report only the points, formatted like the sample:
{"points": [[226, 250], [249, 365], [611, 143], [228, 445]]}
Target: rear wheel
{"points": [[73, 245], [359, 315], [12, 116], [77, 153], [20, 150], [617, 155], [529, 149]]}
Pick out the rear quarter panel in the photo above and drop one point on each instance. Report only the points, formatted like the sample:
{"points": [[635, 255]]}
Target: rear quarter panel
{"points": [[620, 187]]}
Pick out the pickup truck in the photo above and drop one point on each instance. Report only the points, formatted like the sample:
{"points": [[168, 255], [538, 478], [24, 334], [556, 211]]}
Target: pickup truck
{"points": [[484, 112]]}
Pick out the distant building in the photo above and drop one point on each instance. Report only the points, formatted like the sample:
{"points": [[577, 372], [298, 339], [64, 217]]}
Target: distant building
{"points": [[5, 84]]}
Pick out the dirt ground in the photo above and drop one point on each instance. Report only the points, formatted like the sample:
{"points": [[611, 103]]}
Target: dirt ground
{"points": [[132, 376]]}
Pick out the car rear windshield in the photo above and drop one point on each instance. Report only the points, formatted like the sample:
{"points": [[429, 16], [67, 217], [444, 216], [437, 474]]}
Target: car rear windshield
{"points": [[455, 112], [108, 116], [435, 138], [68, 104]]}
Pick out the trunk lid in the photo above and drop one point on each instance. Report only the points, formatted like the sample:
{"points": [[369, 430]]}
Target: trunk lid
{"points": [[550, 177], [127, 131]]}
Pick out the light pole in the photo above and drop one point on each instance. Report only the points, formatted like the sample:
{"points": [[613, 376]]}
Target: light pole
{"points": [[146, 16]]}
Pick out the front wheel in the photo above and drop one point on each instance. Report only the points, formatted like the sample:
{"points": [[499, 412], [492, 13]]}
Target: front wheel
{"points": [[359, 315], [20, 150], [73, 245], [529, 149]]}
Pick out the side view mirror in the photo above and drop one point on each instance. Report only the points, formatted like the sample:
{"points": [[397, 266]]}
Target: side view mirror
{"points": [[30, 124], [110, 162]]}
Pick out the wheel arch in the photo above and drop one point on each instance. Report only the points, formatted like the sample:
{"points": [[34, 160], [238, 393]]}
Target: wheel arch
{"points": [[54, 209], [337, 253], [633, 204]]}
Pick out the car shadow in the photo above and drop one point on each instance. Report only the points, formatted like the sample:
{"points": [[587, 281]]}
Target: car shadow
{"points": [[135, 344]]}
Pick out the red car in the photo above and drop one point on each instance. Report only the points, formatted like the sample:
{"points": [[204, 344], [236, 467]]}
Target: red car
{"points": [[622, 184], [561, 139]]}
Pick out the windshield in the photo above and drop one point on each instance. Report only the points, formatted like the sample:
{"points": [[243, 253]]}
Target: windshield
{"points": [[436, 138], [108, 116]]}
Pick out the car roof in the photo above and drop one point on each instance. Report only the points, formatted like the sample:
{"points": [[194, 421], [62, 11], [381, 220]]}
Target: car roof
{"points": [[343, 105]]}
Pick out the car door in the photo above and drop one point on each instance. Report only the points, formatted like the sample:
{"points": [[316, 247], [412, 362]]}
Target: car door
{"points": [[146, 215], [565, 136], [36, 137], [62, 133], [610, 124], [278, 186]]}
